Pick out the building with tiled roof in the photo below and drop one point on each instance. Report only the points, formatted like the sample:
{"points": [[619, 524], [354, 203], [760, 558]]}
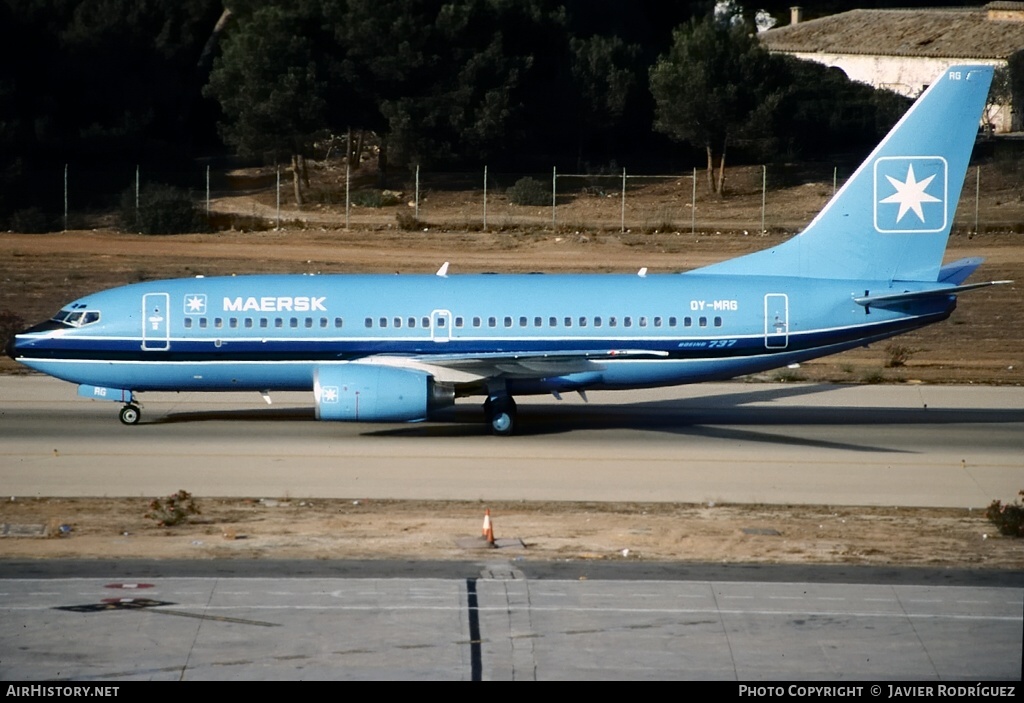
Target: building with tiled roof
{"points": [[904, 50]]}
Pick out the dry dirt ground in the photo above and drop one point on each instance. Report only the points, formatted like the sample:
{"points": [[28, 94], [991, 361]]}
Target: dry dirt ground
{"points": [[980, 344], [284, 528]]}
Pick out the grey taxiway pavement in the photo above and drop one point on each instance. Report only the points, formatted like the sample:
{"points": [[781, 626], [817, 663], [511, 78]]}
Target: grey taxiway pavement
{"points": [[779, 443], [503, 621], [867, 445]]}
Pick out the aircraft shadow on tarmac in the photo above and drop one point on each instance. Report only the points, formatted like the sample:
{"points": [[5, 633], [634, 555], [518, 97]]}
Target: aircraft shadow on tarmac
{"points": [[728, 416], [724, 416]]}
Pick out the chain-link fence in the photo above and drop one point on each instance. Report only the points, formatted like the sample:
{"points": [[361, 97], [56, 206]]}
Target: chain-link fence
{"points": [[757, 199]]}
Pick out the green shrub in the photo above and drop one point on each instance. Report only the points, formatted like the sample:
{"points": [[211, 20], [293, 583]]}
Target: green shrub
{"points": [[162, 209], [368, 197], [1009, 517], [407, 221], [897, 355], [175, 509], [34, 220], [872, 377], [529, 191]]}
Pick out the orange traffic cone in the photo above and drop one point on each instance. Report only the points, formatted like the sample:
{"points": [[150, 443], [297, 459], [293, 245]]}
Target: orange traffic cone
{"points": [[488, 528]]}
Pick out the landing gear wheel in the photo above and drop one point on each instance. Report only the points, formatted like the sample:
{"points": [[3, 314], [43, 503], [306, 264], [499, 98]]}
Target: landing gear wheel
{"points": [[501, 414], [130, 415]]}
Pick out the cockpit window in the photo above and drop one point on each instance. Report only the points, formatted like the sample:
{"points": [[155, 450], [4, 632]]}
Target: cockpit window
{"points": [[77, 318]]}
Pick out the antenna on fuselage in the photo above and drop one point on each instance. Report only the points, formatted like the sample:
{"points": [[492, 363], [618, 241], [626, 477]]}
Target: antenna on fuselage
{"points": [[443, 271]]}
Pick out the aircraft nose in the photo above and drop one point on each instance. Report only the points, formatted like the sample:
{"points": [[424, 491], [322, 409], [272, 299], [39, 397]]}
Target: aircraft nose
{"points": [[9, 349], [12, 329]]}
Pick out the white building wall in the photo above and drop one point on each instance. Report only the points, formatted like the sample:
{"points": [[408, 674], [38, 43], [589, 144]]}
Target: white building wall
{"points": [[907, 76]]}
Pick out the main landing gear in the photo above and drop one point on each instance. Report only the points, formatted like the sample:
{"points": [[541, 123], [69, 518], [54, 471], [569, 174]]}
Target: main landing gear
{"points": [[130, 414], [500, 411]]}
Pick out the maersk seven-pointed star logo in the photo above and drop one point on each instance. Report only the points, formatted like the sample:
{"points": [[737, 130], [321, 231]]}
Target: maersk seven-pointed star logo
{"points": [[195, 304], [329, 394], [910, 194]]}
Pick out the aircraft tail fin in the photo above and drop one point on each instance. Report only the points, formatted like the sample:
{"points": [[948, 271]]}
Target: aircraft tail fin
{"points": [[891, 219]]}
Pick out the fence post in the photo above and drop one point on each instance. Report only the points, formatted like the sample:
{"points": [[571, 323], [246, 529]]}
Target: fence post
{"points": [[348, 203], [977, 197], [207, 191], [835, 178], [764, 187], [278, 225], [622, 227], [693, 204], [136, 195], [554, 193], [417, 199], [485, 197]]}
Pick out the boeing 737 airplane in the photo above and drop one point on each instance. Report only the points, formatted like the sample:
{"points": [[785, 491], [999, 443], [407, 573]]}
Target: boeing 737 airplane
{"points": [[394, 348]]}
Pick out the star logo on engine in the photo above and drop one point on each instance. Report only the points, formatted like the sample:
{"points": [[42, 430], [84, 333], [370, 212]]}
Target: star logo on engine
{"points": [[329, 394]]}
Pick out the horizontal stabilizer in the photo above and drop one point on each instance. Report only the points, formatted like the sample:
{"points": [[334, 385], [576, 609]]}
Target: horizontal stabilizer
{"points": [[923, 294], [957, 272]]}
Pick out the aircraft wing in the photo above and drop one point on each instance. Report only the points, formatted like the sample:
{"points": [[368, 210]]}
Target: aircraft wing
{"points": [[466, 368]]}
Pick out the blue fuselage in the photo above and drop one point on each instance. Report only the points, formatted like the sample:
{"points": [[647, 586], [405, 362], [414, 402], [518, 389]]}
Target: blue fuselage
{"points": [[273, 332]]}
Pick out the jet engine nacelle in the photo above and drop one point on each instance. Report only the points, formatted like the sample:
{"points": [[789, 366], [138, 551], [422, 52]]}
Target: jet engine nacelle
{"points": [[370, 393]]}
